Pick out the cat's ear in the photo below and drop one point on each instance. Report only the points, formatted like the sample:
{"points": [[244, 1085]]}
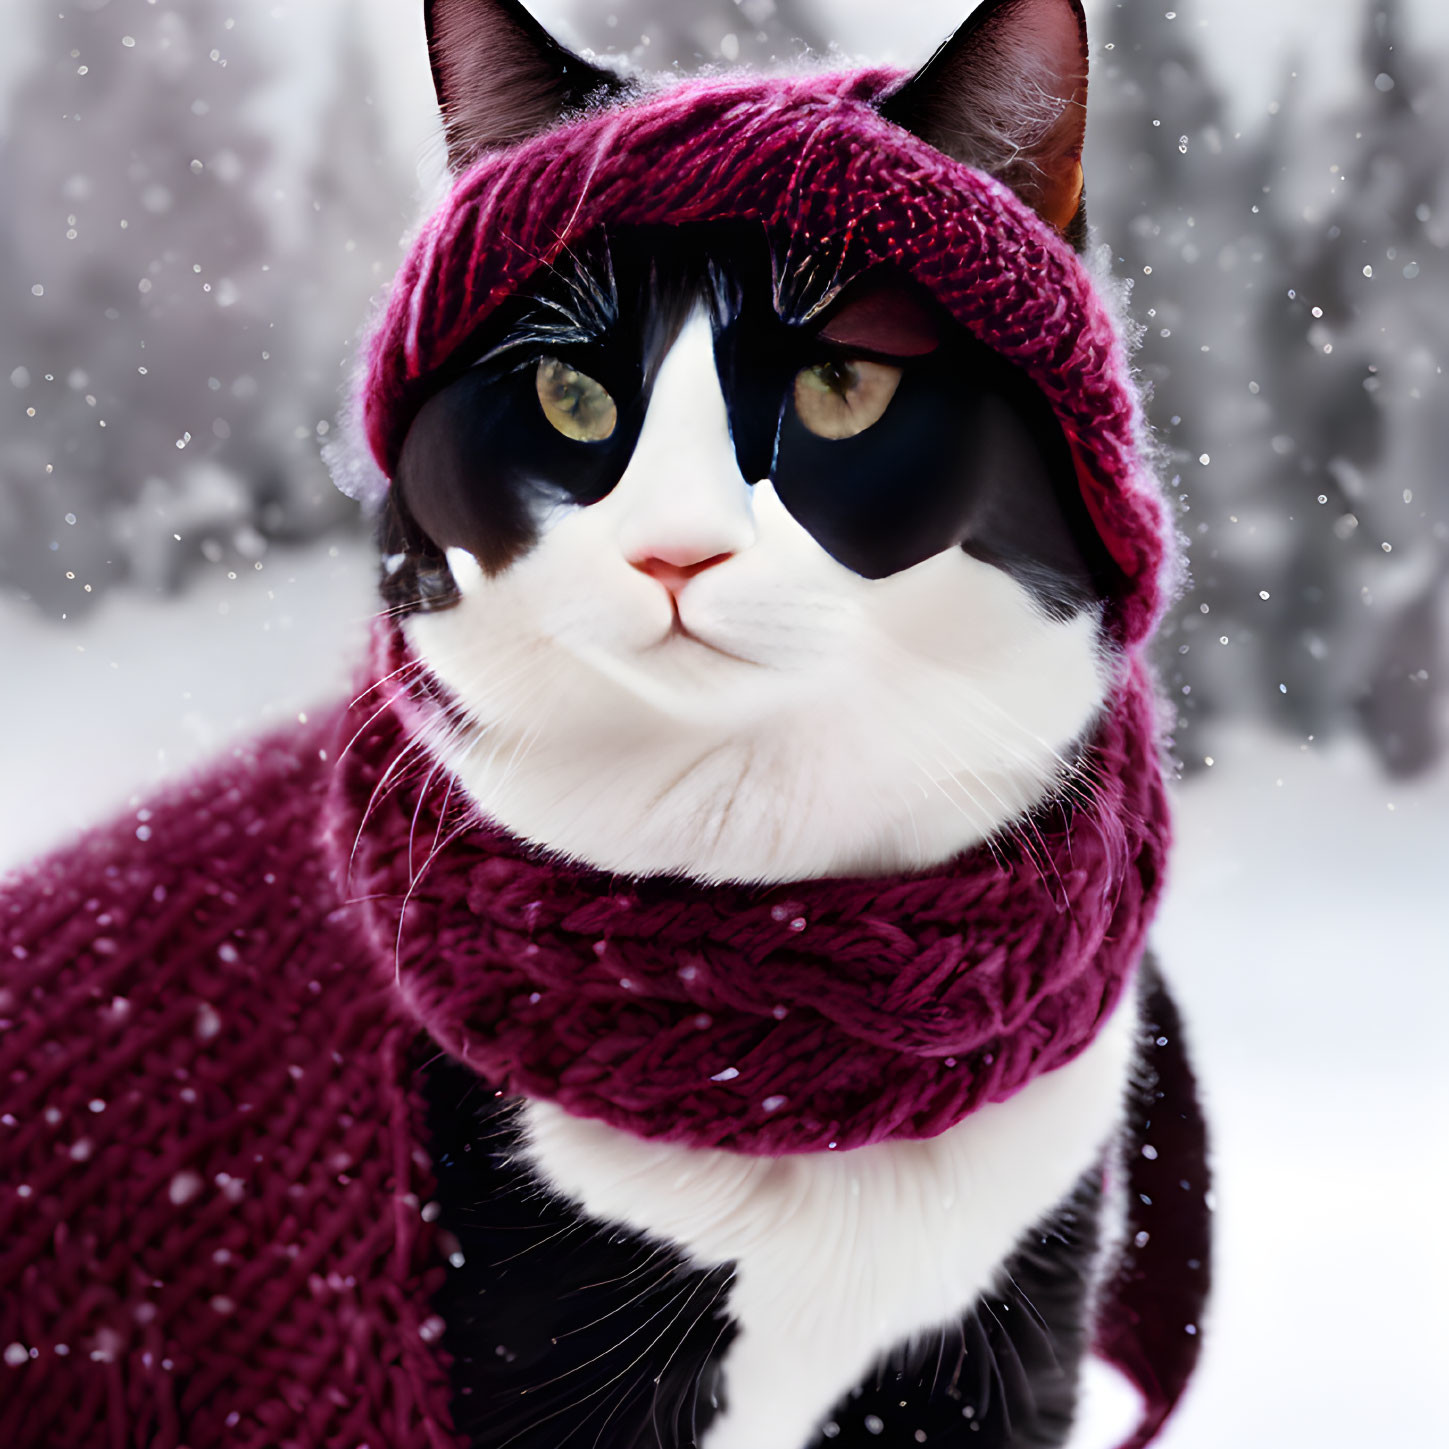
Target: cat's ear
{"points": [[1007, 93], [501, 77]]}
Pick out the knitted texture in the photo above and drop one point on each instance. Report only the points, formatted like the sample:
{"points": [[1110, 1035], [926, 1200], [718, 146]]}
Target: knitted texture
{"points": [[211, 1168], [825, 1014], [812, 161]]}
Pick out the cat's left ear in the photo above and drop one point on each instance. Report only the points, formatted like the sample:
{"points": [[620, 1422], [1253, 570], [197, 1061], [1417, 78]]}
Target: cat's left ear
{"points": [[501, 77], [1007, 93]]}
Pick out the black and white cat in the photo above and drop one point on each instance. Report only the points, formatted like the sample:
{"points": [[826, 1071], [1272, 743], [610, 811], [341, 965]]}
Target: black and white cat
{"points": [[726, 649]]}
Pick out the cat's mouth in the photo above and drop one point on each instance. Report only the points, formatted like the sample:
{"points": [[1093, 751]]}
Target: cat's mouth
{"points": [[679, 630]]}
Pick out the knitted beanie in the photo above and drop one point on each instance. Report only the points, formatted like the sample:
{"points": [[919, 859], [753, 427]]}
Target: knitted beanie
{"points": [[812, 161]]}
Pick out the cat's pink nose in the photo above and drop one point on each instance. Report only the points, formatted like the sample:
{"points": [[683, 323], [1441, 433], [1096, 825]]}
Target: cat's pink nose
{"points": [[674, 575]]}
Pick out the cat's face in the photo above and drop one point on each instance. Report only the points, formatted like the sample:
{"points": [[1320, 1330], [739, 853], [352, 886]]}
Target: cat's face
{"points": [[745, 594], [740, 575]]}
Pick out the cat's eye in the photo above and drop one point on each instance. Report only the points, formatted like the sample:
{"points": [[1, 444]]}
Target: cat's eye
{"points": [[574, 403], [841, 398]]}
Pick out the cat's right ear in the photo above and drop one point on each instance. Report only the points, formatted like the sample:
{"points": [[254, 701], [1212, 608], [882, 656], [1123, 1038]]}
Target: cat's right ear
{"points": [[1007, 93], [501, 77]]}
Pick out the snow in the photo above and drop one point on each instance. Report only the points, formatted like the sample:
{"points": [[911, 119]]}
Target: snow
{"points": [[149, 686], [1304, 934], [1305, 938]]}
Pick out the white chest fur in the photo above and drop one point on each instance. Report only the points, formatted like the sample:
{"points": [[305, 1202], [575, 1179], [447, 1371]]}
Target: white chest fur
{"points": [[840, 1257]]}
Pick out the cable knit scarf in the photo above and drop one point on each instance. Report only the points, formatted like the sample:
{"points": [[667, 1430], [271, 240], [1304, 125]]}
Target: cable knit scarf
{"points": [[819, 1015]]}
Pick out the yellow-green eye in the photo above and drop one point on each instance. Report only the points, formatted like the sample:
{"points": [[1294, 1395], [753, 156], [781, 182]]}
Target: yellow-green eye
{"points": [[574, 403], [841, 399]]}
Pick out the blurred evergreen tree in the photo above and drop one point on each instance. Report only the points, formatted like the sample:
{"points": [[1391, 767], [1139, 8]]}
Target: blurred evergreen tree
{"points": [[1299, 397], [140, 257], [1356, 339], [346, 244], [1176, 193]]}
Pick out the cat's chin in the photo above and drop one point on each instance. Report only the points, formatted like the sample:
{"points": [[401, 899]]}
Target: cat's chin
{"points": [[681, 637], [679, 760], [772, 804], [729, 815]]}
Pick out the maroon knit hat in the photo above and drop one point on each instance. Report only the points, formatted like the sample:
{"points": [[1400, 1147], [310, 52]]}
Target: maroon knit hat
{"points": [[813, 161]]}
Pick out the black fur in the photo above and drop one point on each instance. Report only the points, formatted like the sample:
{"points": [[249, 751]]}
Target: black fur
{"points": [[563, 1331], [1005, 1377]]}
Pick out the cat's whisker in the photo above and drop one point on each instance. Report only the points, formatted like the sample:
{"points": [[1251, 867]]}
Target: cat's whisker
{"points": [[411, 749], [1024, 1375], [979, 819], [647, 1266], [362, 729], [669, 1270], [498, 725], [704, 1309], [413, 884], [1009, 820], [421, 803], [407, 667], [681, 1296], [669, 1324], [723, 1329], [1066, 780], [1071, 771], [1038, 1320], [443, 809], [392, 612], [521, 751]]}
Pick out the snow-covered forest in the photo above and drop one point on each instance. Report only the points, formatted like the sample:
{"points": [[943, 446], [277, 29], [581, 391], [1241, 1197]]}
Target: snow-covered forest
{"points": [[175, 325], [1293, 283], [199, 199]]}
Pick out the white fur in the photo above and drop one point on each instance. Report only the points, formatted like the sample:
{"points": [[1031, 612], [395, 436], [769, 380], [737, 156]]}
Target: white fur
{"points": [[810, 721], [840, 1257]]}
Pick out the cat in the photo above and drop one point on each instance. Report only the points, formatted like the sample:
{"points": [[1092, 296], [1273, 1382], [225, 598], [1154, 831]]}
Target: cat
{"points": [[694, 996], [737, 574]]}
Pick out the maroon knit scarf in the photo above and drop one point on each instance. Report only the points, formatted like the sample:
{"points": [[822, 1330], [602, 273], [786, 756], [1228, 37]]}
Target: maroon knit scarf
{"points": [[822, 1014]]}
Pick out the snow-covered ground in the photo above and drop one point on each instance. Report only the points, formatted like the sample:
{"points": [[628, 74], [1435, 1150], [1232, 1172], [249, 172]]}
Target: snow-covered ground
{"points": [[1308, 943], [1305, 934], [146, 687]]}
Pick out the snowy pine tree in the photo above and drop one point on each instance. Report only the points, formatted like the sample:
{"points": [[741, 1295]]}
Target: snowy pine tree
{"points": [[1357, 341], [1175, 190], [1290, 280], [149, 328], [345, 246]]}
